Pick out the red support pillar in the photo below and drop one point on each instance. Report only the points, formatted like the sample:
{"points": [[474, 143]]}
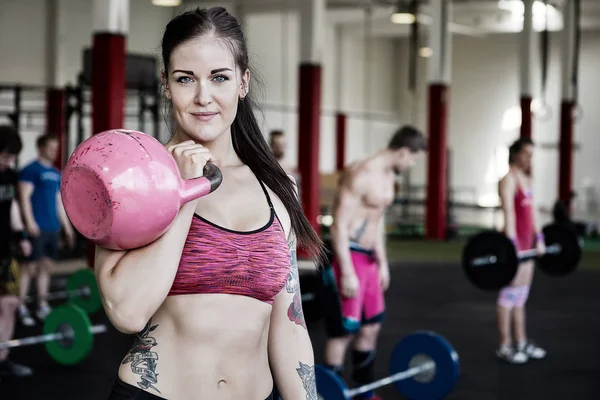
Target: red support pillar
{"points": [[436, 211], [526, 117], [309, 121], [108, 82], [436, 203], [565, 163], [55, 121], [569, 99], [111, 19], [340, 140], [526, 38]]}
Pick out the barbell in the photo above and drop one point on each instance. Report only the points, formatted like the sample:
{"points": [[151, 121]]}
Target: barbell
{"points": [[68, 335], [423, 366], [81, 290], [491, 261]]}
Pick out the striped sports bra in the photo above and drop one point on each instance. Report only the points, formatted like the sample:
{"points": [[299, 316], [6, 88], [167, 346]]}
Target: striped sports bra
{"points": [[220, 260]]}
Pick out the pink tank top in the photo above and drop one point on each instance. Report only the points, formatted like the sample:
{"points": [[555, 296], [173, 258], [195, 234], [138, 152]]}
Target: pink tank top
{"points": [[524, 218], [219, 260]]}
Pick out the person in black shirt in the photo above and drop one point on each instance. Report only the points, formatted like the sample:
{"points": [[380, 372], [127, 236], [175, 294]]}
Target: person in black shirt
{"points": [[12, 244]]}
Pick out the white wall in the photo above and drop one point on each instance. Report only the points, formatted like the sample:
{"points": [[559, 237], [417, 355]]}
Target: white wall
{"points": [[373, 90], [274, 47], [485, 84]]}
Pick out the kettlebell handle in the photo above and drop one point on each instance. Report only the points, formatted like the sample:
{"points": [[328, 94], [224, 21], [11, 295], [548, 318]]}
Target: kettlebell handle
{"points": [[214, 175], [195, 188]]}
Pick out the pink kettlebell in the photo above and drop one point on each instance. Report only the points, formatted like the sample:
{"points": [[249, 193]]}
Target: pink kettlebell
{"points": [[122, 189]]}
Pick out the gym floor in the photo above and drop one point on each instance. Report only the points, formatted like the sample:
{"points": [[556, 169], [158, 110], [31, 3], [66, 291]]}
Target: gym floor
{"points": [[425, 294]]}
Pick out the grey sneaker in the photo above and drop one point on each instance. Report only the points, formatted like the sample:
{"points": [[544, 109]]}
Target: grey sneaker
{"points": [[43, 311], [512, 355], [25, 317], [532, 350]]}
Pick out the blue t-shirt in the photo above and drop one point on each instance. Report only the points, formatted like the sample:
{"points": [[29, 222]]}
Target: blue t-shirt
{"points": [[46, 184]]}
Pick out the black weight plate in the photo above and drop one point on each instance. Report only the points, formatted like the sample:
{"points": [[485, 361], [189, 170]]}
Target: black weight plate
{"points": [[491, 276], [568, 259]]}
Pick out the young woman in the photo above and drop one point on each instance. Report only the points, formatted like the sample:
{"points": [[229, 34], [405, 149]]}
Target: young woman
{"points": [[215, 303], [522, 227]]}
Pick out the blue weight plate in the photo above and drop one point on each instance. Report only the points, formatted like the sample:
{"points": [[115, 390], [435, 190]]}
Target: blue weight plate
{"points": [[329, 385], [437, 349]]}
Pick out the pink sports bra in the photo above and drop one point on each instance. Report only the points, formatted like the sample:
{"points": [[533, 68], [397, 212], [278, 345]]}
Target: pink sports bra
{"points": [[219, 260]]}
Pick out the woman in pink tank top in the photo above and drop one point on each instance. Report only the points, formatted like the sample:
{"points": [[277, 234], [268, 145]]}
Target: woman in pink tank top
{"points": [[214, 304], [522, 227]]}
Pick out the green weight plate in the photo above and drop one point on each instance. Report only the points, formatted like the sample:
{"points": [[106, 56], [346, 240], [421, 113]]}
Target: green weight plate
{"points": [[568, 259], [85, 278], [69, 318], [495, 275]]}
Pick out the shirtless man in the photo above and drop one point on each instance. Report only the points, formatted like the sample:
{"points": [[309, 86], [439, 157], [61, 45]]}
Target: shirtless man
{"points": [[359, 273]]}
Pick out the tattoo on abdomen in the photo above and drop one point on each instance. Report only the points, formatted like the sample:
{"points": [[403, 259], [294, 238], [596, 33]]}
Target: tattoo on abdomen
{"points": [[307, 375], [143, 361], [360, 232]]}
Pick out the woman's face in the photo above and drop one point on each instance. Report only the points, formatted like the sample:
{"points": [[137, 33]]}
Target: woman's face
{"points": [[524, 157], [204, 86]]}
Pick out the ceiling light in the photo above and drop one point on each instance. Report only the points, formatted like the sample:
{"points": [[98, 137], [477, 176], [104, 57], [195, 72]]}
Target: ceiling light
{"points": [[402, 18], [425, 52], [405, 13], [166, 3]]}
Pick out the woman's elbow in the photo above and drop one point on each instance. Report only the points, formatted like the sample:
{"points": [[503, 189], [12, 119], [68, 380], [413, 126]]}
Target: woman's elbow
{"points": [[125, 319]]}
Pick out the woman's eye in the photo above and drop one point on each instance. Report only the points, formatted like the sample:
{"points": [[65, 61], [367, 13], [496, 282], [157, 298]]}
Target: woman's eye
{"points": [[184, 79], [221, 78]]}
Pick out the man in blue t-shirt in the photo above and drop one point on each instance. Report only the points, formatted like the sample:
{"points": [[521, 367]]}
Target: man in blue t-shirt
{"points": [[43, 212]]}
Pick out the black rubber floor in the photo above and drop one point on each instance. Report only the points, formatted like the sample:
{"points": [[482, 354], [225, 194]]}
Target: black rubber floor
{"points": [[564, 317]]}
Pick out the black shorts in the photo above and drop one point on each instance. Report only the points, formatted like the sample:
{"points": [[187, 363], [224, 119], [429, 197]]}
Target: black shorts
{"points": [[45, 245], [9, 277], [125, 391]]}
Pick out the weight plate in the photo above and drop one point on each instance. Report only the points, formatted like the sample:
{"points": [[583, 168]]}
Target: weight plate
{"points": [[426, 345], [490, 276], [329, 385], [76, 349], [568, 259], [85, 278]]}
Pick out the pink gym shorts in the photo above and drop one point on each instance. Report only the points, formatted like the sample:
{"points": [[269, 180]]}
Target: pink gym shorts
{"points": [[368, 306]]}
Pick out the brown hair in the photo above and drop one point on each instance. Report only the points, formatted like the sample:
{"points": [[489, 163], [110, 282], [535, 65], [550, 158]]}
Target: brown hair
{"points": [[409, 137]]}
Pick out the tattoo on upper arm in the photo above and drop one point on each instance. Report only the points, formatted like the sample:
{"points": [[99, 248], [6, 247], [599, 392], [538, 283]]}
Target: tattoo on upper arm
{"points": [[293, 282], [295, 312], [307, 375], [143, 361]]}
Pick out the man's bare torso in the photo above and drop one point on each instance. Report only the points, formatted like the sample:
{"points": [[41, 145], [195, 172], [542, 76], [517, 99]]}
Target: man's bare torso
{"points": [[375, 185]]}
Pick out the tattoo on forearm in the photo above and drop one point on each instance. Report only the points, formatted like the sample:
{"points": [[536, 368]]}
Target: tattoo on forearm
{"points": [[295, 312], [307, 375], [143, 361]]}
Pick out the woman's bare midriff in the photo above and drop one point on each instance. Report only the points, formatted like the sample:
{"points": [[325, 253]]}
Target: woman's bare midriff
{"points": [[207, 346]]}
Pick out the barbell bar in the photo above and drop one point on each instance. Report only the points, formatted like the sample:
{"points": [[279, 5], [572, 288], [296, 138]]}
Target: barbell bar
{"points": [[523, 255], [81, 290], [49, 337], [68, 335]]}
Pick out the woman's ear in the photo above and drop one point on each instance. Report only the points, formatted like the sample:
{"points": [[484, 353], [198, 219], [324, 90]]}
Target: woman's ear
{"points": [[163, 81], [245, 85]]}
